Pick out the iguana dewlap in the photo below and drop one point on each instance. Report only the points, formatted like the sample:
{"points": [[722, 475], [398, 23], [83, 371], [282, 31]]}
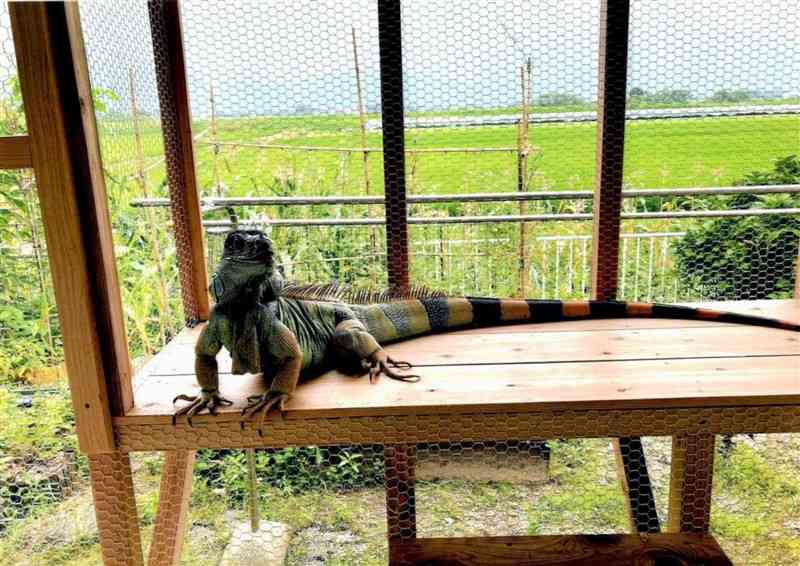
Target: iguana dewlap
{"points": [[284, 333]]}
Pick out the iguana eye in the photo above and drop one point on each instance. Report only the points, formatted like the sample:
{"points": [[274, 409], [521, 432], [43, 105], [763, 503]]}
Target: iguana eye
{"points": [[235, 243]]}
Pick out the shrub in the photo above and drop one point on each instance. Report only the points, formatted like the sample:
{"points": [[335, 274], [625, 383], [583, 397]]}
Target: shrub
{"points": [[745, 257]]}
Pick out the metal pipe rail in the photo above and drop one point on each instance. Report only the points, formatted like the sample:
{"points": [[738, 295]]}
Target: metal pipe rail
{"points": [[501, 218], [222, 202]]}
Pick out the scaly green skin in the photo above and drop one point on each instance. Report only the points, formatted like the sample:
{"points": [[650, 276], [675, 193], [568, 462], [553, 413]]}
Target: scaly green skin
{"points": [[284, 338], [280, 338]]}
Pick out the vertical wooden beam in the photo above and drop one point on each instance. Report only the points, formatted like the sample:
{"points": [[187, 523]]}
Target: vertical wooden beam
{"points": [[691, 483], [176, 121], [173, 508], [115, 509], [611, 98], [401, 510], [635, 480], [394, 159], [66, 159]]}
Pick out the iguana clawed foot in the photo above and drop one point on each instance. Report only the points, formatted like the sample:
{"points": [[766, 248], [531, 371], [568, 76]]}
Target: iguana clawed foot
{"points": [[210, 400], [262, 404], [380, 362]]}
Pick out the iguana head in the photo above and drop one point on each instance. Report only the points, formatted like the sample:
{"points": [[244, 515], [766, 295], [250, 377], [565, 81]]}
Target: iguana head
{"points": [[246, 263]]}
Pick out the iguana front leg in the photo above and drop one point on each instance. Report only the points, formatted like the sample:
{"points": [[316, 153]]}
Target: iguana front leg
{"points": [[285, 351], [205, 366], [351, 337]]}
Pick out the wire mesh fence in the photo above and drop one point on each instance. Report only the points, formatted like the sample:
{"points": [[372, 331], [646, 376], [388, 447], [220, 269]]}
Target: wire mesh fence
{"points": [[499, 98]]}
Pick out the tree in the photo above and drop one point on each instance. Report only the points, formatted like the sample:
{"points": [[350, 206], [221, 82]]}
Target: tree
{"points": [[745, 257]]}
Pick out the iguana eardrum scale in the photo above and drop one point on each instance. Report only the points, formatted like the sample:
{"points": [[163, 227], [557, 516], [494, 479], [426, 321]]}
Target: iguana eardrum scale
{"points": [[286, 333]]}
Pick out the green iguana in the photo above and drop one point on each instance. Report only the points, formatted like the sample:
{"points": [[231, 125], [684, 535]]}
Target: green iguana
{"points": [[286, 333]]}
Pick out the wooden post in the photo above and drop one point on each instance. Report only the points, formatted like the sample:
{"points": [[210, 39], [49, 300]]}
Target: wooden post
{"points": [[690, 484], [173, 508], [115, 509], [54, 79], [394, 162], [173, 95], [401, 510], [611, 98]]}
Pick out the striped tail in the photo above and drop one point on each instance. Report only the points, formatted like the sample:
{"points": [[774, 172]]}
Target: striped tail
{"points": [[414, 317]]}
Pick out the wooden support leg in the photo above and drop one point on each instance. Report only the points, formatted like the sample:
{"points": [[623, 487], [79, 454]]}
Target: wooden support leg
{"points": [[401, 513], [173, 508], [635, 480], [115, 508], [690, 483]]}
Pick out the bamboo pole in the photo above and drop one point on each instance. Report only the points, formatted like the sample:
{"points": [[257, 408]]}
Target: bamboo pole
{"points": [[255, 515], [361, 118], [141, 179], [214, 138], [362, 123], [523, 147]]}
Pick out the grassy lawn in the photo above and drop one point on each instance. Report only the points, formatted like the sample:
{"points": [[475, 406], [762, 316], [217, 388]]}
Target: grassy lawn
{"points": [[756, 512]]}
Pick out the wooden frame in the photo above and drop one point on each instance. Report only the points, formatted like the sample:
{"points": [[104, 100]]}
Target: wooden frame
{"points": [[63, 149], [72, 195], [394, 159], [173, 95]]}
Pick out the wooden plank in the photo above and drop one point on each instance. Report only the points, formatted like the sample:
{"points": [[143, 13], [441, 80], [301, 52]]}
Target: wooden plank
{"points": [[173, 508], [533, 347], [710, 365], [15, 152], [691, 478], [563, 550], [176, 120], [66, 159], [511, 388]]}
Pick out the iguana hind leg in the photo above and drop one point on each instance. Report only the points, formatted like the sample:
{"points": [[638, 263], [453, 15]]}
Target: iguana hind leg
{"points": [[352, 340]]}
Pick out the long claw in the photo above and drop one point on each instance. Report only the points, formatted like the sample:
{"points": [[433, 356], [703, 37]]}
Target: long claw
{"points": [[399, 364], [262, 404], [210, 401]]}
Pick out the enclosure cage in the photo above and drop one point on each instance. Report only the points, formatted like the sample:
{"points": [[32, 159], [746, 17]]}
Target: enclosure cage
{"points": [[539, 149]]}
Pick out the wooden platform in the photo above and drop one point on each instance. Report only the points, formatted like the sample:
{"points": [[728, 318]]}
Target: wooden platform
{"points": [[599, 364], [562, 550]]}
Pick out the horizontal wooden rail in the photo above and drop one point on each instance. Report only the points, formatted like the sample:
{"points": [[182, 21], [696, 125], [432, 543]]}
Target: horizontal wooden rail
{"points": [[15, 152], [575, 550], [212, 202]]}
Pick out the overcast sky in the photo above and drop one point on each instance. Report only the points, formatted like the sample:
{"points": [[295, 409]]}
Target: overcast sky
{"points": [[267, 57]]}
